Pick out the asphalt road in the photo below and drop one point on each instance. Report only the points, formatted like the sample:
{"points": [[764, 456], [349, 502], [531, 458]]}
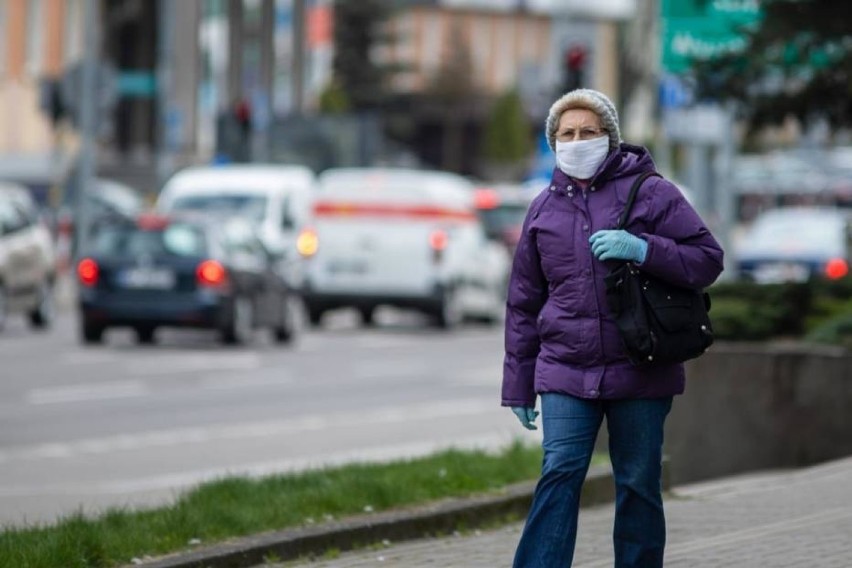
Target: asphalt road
{"points": [[84, 428]]}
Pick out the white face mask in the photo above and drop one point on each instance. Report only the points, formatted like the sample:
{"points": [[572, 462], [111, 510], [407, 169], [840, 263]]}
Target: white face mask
{"points": [[581, 159]]}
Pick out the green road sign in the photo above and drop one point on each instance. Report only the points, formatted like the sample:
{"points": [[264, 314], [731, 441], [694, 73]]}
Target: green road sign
{"points": [[703, 28]]}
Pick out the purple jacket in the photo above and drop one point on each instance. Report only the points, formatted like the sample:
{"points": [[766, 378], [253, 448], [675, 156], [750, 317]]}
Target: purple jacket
{"points": [[560, 336]]}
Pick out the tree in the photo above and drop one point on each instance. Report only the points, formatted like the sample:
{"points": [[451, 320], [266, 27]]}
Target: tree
{"points": [[333, 99], [797, 62], [359, 30], [507, 133]]}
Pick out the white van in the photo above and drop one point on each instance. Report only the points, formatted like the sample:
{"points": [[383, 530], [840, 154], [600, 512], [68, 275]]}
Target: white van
{"points": [[275, 197], [400, 237]]}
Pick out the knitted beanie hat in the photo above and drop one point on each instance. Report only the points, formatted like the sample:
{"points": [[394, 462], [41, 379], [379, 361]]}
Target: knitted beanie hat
{"points": [[589, 99]]}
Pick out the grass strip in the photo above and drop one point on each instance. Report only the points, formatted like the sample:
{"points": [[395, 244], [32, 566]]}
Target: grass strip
{"points": [[240, 506]]}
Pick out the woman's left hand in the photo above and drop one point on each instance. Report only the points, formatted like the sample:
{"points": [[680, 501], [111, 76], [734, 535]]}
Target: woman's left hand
{"points": [[618, 244]]}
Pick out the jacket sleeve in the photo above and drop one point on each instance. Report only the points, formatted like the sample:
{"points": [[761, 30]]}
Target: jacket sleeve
{"points": [[527, 294], [681, 249]]}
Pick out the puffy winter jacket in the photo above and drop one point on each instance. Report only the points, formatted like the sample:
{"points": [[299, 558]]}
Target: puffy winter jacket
{"points": [[560, 336]]}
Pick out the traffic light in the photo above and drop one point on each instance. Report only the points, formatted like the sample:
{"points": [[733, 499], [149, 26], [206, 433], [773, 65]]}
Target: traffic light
{"points": [[574, 67]]}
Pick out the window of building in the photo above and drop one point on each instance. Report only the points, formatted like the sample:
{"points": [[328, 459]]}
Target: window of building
{"points": [[73, 48], [35, 37]]}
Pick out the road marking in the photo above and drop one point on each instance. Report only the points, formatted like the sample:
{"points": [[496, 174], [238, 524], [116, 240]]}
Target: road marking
{"points": [[397, 414], [85, 357], [86, 392], [196, 363], [224, 383], [478, 377], [386, 370]]}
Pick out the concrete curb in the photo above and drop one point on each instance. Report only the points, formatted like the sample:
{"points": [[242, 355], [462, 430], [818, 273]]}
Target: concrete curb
{"points": [[436, 518]]}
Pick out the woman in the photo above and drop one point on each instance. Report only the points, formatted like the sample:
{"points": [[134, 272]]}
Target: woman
{"points": [[563, 345]]}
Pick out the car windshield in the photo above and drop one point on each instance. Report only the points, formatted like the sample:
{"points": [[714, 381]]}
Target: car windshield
{"points": [[798, 232], [505, 217], [250, 206], [177, 239]]}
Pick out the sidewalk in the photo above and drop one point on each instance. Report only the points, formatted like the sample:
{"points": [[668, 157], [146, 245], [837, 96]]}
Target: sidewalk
{"points": [[787, 518]]}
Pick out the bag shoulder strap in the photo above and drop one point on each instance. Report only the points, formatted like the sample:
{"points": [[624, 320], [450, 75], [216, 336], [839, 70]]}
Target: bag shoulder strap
{"points": [[631, 197]]}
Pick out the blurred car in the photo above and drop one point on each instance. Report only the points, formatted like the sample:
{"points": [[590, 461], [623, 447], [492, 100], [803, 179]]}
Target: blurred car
{"points": [[181, 272], [502, 209], [401, 237], [796, 244], [105, 198], [276, 198], [27, 259]]}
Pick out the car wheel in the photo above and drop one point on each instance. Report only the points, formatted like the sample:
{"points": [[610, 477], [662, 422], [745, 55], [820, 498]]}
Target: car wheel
{"points": [[449, 314], [91, 333], [368, 315], [4, 307], [43, 314], [288, 326], [145, 334], [315, 316], [240, 327]]}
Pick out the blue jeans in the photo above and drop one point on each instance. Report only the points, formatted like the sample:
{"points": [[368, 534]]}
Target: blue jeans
{"points": [[570, 427]]}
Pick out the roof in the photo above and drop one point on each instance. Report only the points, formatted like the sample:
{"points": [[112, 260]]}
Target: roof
{"points": [[249, 178]]}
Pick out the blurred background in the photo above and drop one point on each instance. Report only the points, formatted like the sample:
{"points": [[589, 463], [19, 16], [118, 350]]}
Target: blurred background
{"points": [[105, 103]]}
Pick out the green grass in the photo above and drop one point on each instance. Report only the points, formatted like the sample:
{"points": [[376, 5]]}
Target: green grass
{"points": [[233, 507]]}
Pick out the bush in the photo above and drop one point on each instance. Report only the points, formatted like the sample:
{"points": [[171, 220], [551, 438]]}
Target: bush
{"points": [[817, 310]]}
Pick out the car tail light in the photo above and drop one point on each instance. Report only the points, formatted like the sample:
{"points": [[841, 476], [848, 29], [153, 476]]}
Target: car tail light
{"points": [[88, 272], [836, 268], [308, 243], [485, 198], [211, 273], [438, 241]]}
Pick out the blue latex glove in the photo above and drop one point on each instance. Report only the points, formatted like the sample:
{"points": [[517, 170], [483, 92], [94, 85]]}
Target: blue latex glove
{"points": [[618, 244], [527, 416]]}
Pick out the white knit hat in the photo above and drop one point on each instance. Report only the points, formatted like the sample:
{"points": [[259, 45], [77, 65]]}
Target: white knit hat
{"points": [[589, 99]]}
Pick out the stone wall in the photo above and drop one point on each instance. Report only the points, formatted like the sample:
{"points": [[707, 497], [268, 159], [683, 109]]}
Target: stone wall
{"points": [[749, 407]]}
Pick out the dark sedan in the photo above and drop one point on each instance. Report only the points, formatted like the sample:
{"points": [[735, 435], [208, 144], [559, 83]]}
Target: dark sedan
{"points": [[182, 272], [795, 244]]}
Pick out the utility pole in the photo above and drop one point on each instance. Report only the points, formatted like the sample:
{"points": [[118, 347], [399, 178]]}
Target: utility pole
{"points": [[298, 56], [165, 47], [88, 101]]}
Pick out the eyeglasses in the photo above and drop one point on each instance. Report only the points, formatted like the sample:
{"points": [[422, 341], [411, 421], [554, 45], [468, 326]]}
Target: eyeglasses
{"points": [[582, 134]]}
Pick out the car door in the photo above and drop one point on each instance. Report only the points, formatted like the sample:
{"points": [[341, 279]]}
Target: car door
{"points": [[16, 251]]}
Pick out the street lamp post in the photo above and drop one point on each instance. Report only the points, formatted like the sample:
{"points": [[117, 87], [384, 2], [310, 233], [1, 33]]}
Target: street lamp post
{"points": [[87, 101]]}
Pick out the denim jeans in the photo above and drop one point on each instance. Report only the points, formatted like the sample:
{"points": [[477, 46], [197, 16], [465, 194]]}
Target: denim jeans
{"points": [[570, 427]]}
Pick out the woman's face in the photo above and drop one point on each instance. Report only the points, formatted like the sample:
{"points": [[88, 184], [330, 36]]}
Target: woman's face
{"points": [[579, 124]]}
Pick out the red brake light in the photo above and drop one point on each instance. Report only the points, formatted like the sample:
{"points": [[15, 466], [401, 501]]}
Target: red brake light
{"points": [[486, 199], [836, 268], [88, 272], [211, 273], [438, 240]]}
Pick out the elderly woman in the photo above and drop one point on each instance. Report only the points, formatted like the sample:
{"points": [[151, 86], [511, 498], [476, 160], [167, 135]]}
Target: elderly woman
{"points": [[563, 345]]}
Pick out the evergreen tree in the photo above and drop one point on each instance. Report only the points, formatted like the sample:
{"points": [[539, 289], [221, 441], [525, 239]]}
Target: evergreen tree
{"points": [[507, 134], [798, 62], [359, 30]]}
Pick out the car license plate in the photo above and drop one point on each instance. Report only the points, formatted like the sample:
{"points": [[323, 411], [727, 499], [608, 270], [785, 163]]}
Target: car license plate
{"points": [[156, 278], [347, 267], [779, 272]]}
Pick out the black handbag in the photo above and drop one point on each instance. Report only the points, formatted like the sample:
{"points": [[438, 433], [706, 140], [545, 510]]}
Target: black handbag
{"points": [[658, 321]]}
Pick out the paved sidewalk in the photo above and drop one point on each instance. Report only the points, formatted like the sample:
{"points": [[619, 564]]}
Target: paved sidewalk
{"points": [[787, 518]]}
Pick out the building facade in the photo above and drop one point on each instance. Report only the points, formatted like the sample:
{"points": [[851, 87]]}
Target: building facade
{"points": [[39, 39]]}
